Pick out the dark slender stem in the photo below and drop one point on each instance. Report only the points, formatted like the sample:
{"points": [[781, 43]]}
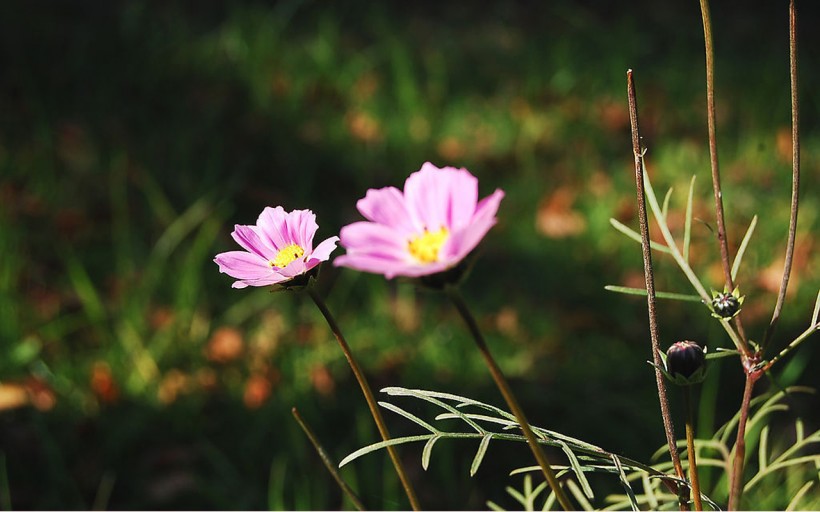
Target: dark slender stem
{"points": [[368, 395], [668, 426], [509, 397], [787, 267], [331, 467], [736, 488], [690, 448], [713, 159]]}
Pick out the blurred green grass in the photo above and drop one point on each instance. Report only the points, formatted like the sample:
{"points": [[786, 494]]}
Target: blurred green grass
{"points": [[133, 136]]}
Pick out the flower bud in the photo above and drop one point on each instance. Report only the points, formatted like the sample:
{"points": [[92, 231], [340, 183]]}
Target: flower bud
{"points": [[684, 358], [725, 304]]}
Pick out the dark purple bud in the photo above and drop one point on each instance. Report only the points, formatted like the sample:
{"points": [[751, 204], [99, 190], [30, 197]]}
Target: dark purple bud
{"points": [[684, 358]]}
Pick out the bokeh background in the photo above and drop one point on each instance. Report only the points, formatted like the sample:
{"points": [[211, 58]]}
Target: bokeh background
{"points": [[134, 134]]}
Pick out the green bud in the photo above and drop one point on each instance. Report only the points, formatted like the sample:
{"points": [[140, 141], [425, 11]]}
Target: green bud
{"points": [[726, 305]]}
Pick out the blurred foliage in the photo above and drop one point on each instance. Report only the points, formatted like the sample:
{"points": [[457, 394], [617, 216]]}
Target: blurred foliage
{"points": [[133, 134]]}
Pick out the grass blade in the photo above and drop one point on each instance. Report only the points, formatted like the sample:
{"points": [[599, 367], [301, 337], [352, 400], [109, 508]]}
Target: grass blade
{"points": [[415, 419], [625, 483], [665, 207], [660, 295], [479, 456], [687, 227], [763, 448], [742, 249], [579, 472], [799, 495], [816, 312], [383, 444], [427, 451], [631, 233]]}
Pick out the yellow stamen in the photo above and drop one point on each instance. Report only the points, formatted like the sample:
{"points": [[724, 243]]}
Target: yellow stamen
{"points": [[287, 256], [425, 247]]}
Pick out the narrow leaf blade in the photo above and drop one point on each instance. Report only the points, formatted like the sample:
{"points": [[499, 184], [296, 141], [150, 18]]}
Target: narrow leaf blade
{"points": [[479, 456]]}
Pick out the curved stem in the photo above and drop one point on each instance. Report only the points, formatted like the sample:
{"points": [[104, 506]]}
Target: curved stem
{"points": [[787, 266], [368, 395], [507, 393], [669, 427], [331, 467], [690, 449]]}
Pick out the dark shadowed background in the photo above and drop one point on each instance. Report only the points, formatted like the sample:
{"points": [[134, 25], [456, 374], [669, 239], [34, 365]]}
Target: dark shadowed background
{"points": [[134, 135]]}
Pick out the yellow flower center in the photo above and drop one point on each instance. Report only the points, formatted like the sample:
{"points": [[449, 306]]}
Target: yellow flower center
{"points": [[425, 247], [287, 256]]}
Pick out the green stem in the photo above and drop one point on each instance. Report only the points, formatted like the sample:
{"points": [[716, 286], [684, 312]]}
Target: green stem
{"points": [[368, 395], [331, 467], [690, 449], [791, 346], [507, 393]]}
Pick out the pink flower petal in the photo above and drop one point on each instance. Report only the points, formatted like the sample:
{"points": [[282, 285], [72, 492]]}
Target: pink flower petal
{"points": [[301, 227], [374, 239], [243, 265], [322, 251], [463, 241], [441, 197], [249, 239], [386, 206], [271, 224]]}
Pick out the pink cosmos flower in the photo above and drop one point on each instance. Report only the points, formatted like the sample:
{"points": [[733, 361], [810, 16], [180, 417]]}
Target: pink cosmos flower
{"points": [[277, 249], [427, 229]]}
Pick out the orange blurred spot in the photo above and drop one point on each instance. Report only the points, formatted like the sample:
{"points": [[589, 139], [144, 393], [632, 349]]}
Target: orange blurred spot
{"points": [[41, 396], [161, 316], [363, 126], [322, 381], [257, 390], [103, 384], [12, 396], [226, 345], [555, 217], [451, 148], [783, 144], [173, 384], [507, 321]]}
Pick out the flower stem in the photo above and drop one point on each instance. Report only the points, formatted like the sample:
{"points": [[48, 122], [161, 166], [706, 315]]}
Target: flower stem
{"points": [[690, 448], [713, 159], [368, 394], [787, 265], [736, 489], [669, 427], [501, 382], [327, 462]]}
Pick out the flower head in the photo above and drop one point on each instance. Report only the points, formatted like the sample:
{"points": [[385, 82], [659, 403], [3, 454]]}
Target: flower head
{"points": [[685, 363], [277, 249], [428, 228]]}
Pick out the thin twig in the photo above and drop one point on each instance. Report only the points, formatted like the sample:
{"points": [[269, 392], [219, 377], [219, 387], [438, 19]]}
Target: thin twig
{"points": [[331, 467], [713, 160], [690, 448], [787, 267], [736, 489], [504, 387], [669, 427], [368, 395]]}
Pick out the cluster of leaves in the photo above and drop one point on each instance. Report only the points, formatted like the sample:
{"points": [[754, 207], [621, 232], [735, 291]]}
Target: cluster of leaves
{"points": [[794, 465]]}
